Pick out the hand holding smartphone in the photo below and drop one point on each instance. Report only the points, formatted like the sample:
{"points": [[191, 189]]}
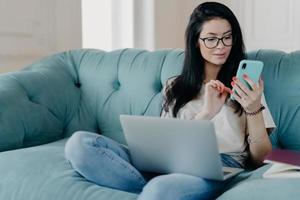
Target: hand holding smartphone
{"points": [[252, 68]]}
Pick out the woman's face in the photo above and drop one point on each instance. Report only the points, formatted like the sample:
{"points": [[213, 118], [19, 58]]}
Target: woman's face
{"points": [[214, 50]]}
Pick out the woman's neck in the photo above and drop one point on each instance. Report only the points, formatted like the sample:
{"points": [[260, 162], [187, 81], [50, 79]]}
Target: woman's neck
{"points": [[211, 71]]}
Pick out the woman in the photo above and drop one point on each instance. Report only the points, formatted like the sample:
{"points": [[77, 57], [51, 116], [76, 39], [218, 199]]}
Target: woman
{"points": [[214, 48]]}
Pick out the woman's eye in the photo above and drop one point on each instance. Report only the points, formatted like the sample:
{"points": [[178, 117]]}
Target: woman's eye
{"points": [[211, 39], [228, 37]]}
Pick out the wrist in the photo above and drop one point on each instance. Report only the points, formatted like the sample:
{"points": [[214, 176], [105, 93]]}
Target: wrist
{"points": [[255, 112]]}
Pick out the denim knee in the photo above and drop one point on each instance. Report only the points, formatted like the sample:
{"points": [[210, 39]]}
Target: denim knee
{"points": [[181, 187], [158, 188], [100, 160], [75, 149]]}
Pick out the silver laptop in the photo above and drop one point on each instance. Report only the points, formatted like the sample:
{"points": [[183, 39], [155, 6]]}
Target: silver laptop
{"points": [[170, 145]]}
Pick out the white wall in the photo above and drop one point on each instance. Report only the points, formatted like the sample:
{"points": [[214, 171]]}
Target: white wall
{"points": [[265, 23], [144, 24], [96, 24], [32, 29], [36, 28], [107, 24], [269, 24], [170, 15], [171, 19]]}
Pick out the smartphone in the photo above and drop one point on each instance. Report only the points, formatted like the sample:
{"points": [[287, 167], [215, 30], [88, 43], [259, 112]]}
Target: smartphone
{"points": [[252, 68]]}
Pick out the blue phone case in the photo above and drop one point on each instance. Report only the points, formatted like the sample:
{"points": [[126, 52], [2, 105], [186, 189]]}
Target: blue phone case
{"points": [[252, 68]]}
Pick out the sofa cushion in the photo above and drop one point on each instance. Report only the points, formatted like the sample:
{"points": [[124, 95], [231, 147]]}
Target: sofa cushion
{"points": [[43, 173], [255, 187], [40, 103]]}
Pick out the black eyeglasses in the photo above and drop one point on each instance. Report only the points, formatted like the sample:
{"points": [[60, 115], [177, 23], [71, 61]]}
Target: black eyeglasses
{"points": [[213, 42]]}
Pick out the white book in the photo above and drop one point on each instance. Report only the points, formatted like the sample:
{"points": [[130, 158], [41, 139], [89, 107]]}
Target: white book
{"points": [[285, 164], [282, 170]]}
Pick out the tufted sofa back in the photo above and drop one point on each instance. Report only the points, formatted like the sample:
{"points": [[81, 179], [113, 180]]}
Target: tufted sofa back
{"points": [[81, 90], [88, 89], [126, 81], [281, 76]]}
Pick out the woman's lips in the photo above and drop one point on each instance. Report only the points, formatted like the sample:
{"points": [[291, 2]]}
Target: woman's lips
{"points": [[220, 54]]}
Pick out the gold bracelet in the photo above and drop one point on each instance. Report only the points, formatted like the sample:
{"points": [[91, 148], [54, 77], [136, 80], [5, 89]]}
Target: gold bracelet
{"points": [[255, 112], [256, 140]]}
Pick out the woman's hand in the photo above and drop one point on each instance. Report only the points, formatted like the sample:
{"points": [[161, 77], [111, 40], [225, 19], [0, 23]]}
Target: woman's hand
{"points": [[214, 98], [249, 99]]}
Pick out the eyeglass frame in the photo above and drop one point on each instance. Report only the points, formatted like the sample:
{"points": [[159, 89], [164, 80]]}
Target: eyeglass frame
{"points": [[219, 39]]}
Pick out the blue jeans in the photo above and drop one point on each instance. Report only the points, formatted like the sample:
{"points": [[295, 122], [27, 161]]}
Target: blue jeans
{"points": [[107, 163]]}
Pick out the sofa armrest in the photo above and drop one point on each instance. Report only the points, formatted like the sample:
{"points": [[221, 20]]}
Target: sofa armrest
{"points": [[36, 104]]}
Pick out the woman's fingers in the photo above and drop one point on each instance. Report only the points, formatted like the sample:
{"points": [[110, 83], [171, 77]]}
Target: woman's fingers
{"points": [[250, 82], [222, 88], [219, 86], [242, 87], [261, 83], [242, 95], [248, 98], [255, 87], [227, 89], [237, 98], [213, 84]]}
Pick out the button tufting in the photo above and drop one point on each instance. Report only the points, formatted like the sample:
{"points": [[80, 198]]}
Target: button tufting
{"points": [[78, 85], [117, 85]]}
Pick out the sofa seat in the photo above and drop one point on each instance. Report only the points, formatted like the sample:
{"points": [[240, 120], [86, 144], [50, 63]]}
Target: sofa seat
{"points": [[256, 187], [47, 175], [42, 173]]}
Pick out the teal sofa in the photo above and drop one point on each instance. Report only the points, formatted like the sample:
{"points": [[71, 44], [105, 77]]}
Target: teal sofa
{"points": [[86, 89]]}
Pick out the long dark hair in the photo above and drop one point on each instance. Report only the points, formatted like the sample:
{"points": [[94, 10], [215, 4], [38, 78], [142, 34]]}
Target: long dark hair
{"points": [[187, 85]]}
